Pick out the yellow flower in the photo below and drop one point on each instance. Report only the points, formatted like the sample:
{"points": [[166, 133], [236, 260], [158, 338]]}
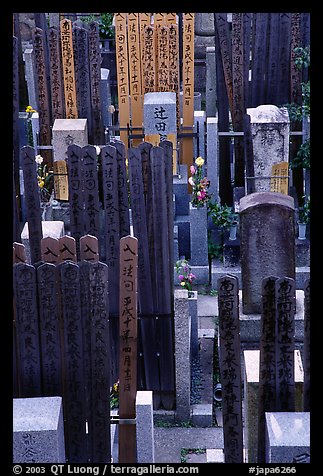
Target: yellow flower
{"points": [[30, 109], [199, 161], [41, 183]]}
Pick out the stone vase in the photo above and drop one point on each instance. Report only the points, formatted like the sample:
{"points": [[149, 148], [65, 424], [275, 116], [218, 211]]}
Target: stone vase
{"points": [[301, 231], [233, 231]]}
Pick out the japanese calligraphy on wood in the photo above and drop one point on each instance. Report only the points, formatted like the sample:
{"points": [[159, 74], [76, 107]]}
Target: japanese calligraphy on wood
{"points": [[50, 250], [230, 368], [124, 220], [174, 66], [89, 248], [163, 58], [90, 191], [285, 344], [60, 180], [56, 75], [188, 87], [128, 349], [279, 184], [27, 326], [135, 76], [74, 162], [267, 364], [122, 74], [68, 69], [149, 59], [49, 330], [19, 253], [67, 249], [95, 79], [32, 201], [307, 347]]}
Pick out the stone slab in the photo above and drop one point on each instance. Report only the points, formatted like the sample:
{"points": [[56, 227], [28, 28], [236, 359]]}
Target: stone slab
{"points": [[66, 132], [145, 427], [38, 430], [202, 414], [251, 385], [214, 456], [287, 436]]}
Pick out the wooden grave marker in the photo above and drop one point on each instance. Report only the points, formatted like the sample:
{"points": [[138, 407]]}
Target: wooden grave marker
{"points": [[73, 373], [135, 76], [50, 339], [307, 348], [230, 368], [67, 248], [32, 201], [19, 253], [76, 202], [162, 58], [279, 184], [95, 83], [99, 418], [27, 329], [149, 60], [267, 362], [128, 349], [56, 74], [89, 248], [44, 111], [68, 69], [90, 191], [285, 344], [60, 180], [50, 250], [124, 219], [188, 89], [174, 67], [122, 75]]}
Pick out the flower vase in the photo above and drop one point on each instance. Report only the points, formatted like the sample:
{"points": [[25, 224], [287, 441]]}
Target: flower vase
{"points": [[301, 231], [233, 232]]}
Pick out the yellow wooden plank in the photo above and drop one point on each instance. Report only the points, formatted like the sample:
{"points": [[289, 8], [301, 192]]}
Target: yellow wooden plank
{"points": [[171, 18], [144, 20], [60, 180], [68, 69], [278, 184], [122, 74], [188, 87], [174, 67], [136, 98], [162, 58]]}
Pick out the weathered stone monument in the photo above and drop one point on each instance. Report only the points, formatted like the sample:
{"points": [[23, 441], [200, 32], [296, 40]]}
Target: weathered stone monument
{"points": [[267, 243], [270, 138], [38, 430], [67, 132]]}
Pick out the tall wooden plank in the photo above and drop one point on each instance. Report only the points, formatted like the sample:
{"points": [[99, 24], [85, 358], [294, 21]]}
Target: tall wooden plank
{"points": [[95, 83], [51, 360], [259, 59], [246, 55], [307, 347], [174, 81], [32, 201], [68, 69], [56, 74], [74, 384], [128, 349], [50, 250], [267, 362], [295, 72], [19, 253], [226, 55], [149, 59], [144, 20], [122, 74], [67, 249], [273, 57], [27, 329], [136, 98], [60, 180], [82, 71], [285, 344], [284, 59], [89, 248], [43, 93], [225, 187], [111, 220], [171, 18], [188, 88], [163, 58], [75, 186], [238, 101], [90, 191], [230, 368], [99, 424], [145, 164], [15, 113], [124, 219]]}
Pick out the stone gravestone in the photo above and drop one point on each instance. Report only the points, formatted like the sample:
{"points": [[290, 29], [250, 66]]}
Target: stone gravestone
{"points": [[67, 132], [267, 243], [160, 119], [230, 368], [38, 430], [270, 136]]}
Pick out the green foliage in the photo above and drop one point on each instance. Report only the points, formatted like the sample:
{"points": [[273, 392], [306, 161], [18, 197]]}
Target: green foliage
{"points": [[302, 158], [222, 215], [105, 24], [215, 251], [303, 57], [304, 212], [190, 451]]}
